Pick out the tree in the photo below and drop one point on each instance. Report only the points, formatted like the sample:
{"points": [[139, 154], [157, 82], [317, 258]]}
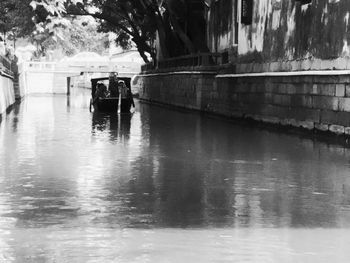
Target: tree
{"points": [[75, 36], [169, 22], [43, 27], [16, 18]]}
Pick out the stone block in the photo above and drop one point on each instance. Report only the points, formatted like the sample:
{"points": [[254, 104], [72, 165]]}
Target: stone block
{"points": [[254, 98], [273, 66], [345, 79], [268, 98], [270, 119], [291, 89], [347, 90], [338, 129], [306, 88], [326, 89], [281, 99], [347, 130], [314, 89], [306, 124], [326, 64], [340, 90], [303, 114], [316, 64], [285, 122], [269, 87], [286, 79], [295, 65], [344, 104], [340, 63], [342, 118], [306, 64], [321, 127], [278, 88], [325, 102], [308, 79], [326, 79], [328, 117], [293, 122], [301, 101]]}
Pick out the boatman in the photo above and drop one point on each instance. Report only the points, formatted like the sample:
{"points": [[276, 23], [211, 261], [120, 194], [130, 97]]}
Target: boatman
{"points": [[126, 99], [113, 85]]}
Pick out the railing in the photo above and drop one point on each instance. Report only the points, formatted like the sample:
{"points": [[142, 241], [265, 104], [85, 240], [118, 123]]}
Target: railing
{"points": [[193, 60], [38, 66]]}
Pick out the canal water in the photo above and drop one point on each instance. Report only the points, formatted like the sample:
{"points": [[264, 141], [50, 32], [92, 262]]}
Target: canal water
{"points": [[164, 185]]}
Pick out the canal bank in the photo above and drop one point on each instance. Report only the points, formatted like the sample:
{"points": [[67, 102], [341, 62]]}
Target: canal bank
{"points": [[10, 90], [7, 93], [279, 62], [313, 100]]}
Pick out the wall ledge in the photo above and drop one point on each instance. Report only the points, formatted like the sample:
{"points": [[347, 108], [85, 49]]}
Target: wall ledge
{"points": [[178, 73], [288, 73]]}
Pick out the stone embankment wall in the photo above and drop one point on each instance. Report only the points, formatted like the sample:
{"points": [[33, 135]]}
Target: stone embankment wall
{"points": [[7, 93], [320, 102], [289, 66]]}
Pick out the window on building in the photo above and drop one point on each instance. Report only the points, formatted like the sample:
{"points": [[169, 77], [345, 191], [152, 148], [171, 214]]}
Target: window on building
{"points": [[304, 2], [246, 12]]}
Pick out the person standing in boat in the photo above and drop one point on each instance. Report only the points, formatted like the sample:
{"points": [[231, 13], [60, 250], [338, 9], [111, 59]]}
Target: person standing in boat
{"points": [[126, 99], [101, 92], [113, 86]]}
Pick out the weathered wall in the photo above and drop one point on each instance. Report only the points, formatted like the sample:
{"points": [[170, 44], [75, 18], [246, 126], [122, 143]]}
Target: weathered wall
{"points": [[7, 94], [182, 89], [221, 28], [44, 82], [311, 102], [284, 35]]}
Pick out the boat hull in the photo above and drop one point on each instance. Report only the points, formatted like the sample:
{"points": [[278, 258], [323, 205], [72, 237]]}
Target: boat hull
{"points": [[106, 105]]}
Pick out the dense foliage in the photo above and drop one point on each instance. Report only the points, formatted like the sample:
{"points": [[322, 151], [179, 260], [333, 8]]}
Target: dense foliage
{"points": [[48, 31], [175, 24]]}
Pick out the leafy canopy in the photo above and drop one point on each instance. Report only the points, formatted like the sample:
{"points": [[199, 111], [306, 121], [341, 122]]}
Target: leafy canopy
{"points": [[140, 21]]}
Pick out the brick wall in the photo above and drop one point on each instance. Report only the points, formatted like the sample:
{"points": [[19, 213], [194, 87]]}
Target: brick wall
{"points": [[312, 102]]}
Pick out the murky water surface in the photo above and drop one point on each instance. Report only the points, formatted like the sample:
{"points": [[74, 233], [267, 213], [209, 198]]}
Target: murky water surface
{"points": [[165, 186]]}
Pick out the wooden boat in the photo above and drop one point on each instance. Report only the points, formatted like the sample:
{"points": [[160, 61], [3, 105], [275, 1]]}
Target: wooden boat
{"points": [[102, 104], [106, 104], [110, 104]]}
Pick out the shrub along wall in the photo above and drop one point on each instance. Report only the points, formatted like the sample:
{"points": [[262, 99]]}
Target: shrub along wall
{"points": [[319, 102]]}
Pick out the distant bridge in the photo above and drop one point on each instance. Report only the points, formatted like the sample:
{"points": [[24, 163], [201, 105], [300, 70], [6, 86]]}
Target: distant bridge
{"points": [[51, 77]]}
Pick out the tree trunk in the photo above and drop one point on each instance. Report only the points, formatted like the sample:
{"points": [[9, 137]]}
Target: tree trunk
{"points": [[143, 55], [182, 35], [162, 36], [142, 47]]}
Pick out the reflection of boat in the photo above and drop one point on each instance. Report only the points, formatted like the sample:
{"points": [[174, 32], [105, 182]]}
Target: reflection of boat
{"points": [[115, 126]]}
